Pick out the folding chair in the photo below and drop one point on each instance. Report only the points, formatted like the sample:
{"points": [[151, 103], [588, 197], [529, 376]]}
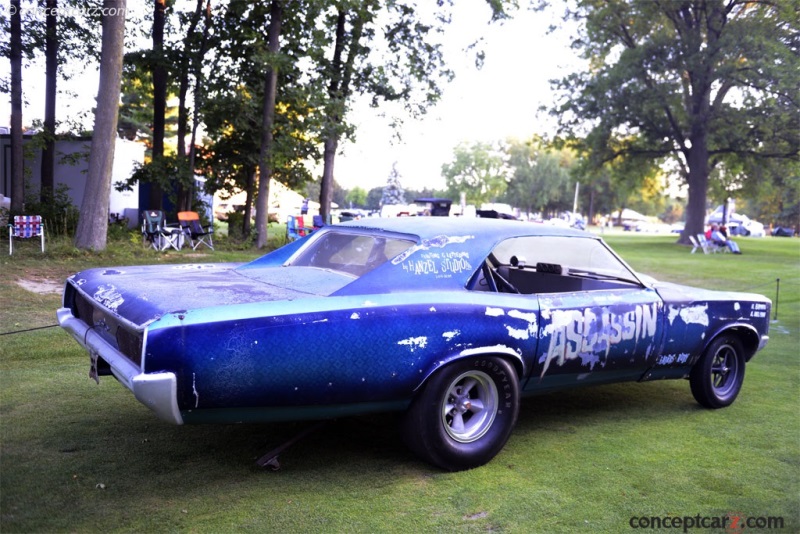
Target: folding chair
{"points": [[695, 244], [158, 234], [196, 232], [709, 246], [25, 227]]}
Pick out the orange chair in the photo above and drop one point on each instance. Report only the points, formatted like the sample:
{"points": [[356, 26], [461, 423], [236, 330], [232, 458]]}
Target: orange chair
{"points": [[196, 232]]}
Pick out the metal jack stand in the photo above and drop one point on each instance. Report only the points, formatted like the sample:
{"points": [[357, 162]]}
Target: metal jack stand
{"points": [[271, 458]]}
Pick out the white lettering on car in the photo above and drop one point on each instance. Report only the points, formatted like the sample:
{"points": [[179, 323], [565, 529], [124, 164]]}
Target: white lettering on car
{"points": [[586, 333]]}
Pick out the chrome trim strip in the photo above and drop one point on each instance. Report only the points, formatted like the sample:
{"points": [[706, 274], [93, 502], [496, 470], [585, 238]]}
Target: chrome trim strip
{"points": [[157, 391]]}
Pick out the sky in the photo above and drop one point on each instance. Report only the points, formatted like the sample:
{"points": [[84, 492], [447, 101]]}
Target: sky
{"points": [[498, 101]]}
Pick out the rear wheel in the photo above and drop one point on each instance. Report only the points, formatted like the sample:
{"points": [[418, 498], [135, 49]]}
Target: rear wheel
{"points": [[464, 414], [717, 377]]}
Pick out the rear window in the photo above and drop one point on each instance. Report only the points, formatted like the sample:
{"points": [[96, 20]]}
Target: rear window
{"points": [[350, 253]]}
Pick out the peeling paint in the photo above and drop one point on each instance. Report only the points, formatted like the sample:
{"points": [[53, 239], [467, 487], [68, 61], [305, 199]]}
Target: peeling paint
{"points": [[415, 343], [450, 335], [525, 316], [697, 314], [518, 333], [355, 315], [495, 312]]}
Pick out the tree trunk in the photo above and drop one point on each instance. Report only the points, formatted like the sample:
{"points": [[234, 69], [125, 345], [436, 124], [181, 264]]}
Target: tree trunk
{"points": [[198, 99], [185, 194], [698, 188], [159, 96], [338, 92], [93, 223], [326, 186], [51, 75], [264, 164], [17, 163], [248, 203]]}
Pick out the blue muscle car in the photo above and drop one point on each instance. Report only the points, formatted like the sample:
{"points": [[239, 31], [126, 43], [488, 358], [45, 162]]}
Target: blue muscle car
{"points": [[449, 320]]}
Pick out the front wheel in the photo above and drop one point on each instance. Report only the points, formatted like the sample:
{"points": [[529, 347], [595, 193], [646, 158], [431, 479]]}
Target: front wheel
{"points": [[717, 377], [464, 414]]}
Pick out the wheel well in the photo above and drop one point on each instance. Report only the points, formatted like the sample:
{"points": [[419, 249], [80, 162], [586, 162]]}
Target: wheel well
{"points": [[747, 336], [515, 362]]}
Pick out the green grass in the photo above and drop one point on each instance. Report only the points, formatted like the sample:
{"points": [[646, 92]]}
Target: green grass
{"points": [[81, 457]]}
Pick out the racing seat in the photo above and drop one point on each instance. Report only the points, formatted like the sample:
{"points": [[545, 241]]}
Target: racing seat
{"points": [[25, 227], [196, 232]]}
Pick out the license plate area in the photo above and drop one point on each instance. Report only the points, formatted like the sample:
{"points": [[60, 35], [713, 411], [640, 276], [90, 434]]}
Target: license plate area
{"points": [[98, 367]]}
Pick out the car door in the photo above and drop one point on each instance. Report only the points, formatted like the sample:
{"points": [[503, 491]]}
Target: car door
{"points": [[597, 335], [597, 321]]}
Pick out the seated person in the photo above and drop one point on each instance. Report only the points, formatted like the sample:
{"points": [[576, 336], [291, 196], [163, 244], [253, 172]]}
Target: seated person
{"points": [[719, 239]]}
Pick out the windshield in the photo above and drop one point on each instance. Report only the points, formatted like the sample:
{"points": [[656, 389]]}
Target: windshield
{"points": [[350, 253]]}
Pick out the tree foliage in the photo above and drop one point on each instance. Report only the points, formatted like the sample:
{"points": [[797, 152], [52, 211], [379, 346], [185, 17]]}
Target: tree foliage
{"points": [[393, 192], [704, 82], [540, 179], [477, 169]]}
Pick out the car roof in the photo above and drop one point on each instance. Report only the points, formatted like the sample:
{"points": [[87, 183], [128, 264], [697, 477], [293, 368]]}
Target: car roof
{"points": [[467, 241], [480, 228]]}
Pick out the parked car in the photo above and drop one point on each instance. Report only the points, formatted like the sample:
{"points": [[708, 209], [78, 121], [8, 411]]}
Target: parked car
{"points": [[448, 320]]}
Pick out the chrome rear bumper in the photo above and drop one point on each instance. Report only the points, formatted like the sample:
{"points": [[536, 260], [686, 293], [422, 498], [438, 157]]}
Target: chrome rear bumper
{"points": [[157, 391]]}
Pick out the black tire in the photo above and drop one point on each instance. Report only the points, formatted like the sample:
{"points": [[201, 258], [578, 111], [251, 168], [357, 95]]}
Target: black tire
{"points": [[464, 414], [717, 376]]}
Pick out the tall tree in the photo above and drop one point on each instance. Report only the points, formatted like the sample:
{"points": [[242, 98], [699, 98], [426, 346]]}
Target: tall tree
{"points": [[393, 192], [698, 80], [477, 169], [540, 176], [160, 79], [51, 77], [399, 61], [268, 120], [93, 222], [17, 163]]}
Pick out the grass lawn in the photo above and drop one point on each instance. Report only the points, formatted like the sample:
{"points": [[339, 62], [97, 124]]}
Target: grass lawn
{"points": [[81, 457]]}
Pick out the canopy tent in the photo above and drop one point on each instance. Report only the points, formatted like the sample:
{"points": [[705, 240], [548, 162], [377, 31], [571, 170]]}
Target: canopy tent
{"points": [[628, 215]]}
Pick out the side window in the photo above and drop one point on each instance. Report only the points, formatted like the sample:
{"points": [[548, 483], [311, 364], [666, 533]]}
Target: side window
{"points": [[555, 264]]}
